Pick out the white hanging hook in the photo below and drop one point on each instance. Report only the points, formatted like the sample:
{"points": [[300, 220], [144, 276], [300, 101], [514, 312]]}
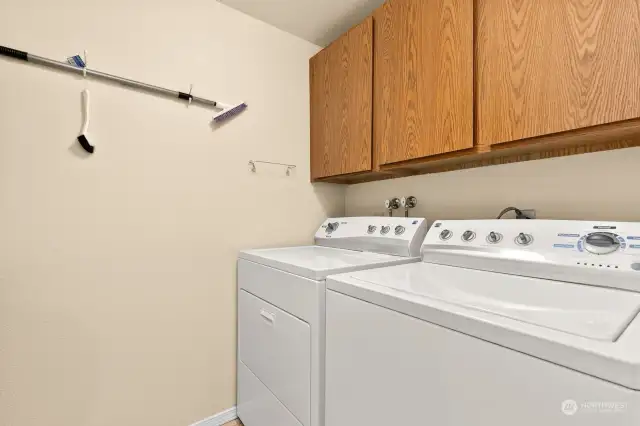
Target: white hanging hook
{"points": [[86, 64]]}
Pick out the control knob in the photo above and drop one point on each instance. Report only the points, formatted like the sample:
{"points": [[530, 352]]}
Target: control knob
{"points": [[494, 237], [371, 229], [524, 239], [601, 243], [445, 235], [385, 230], [332, 227], [468, 236], [399, 230]]}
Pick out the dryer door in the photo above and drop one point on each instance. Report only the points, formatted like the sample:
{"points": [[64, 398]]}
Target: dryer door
{"points": [[276, 347]]}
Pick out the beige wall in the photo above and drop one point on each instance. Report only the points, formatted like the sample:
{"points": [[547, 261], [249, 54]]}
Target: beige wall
{"points": [[117, 272], [600, 186]]}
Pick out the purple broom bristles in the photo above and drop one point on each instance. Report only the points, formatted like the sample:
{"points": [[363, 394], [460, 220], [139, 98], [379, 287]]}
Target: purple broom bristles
{"points": [[230, 113]]}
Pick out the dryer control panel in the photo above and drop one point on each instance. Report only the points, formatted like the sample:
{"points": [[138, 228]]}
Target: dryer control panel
{"points": [[389, 235], [555, 249]]}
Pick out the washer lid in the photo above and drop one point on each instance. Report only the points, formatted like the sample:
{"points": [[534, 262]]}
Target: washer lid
{"points": [[586, 328], [316, 262], [593, 312]]}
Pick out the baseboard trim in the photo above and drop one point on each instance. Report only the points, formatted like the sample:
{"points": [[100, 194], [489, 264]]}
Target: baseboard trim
{"points": [[219, 419]]}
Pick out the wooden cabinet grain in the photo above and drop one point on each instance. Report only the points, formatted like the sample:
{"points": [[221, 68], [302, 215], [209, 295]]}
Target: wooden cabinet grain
{"points": [[423, 78], [550, 66], [341, 84], [425, 86]]}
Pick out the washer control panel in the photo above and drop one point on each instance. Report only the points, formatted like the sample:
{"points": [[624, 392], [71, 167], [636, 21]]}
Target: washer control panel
{"points": [[580, 244], [584, 237]]}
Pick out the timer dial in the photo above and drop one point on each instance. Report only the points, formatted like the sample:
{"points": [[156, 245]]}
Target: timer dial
{"points": [[601, 243]]}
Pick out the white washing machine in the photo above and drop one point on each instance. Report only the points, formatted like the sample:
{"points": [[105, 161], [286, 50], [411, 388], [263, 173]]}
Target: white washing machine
{"points": [[527, 322], [281, 313]]}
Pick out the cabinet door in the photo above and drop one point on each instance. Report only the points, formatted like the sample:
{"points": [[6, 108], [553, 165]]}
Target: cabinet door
{"points": [[423, 88], [341, 79], [549, 66]]}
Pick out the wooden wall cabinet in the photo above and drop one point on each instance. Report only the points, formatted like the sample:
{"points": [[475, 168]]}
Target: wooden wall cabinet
{"points": [[341, 84], [423, 79], [551, 66], [426, 86]]}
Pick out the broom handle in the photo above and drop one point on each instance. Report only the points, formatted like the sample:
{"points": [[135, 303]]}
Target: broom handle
{"points": [[63, 66]]}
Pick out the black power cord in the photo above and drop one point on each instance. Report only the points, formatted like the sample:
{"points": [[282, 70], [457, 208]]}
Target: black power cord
{"points": [[519, 214]]}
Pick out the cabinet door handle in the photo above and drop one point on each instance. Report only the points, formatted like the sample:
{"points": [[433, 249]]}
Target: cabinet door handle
{"points": [[271, 318]]}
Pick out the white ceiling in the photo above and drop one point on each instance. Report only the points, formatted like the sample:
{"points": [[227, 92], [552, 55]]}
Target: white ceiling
{"points": [[318, 21]]}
